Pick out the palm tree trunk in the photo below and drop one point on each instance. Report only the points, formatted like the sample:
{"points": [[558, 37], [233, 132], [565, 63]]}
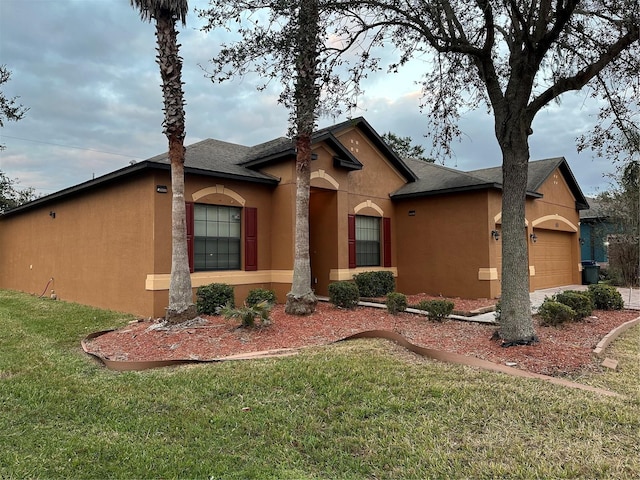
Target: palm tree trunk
{"points": [[181, 306]]}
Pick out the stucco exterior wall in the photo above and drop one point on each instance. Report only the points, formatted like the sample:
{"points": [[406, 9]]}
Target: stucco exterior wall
{"points": [[555, 222], [443, 244], [96, 249]]}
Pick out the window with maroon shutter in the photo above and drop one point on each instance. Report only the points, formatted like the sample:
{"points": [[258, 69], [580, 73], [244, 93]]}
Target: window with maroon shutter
{"points": [[351, 229], [250, 239], [216, 237], [386, 241], [189, 218], [368, 241]]}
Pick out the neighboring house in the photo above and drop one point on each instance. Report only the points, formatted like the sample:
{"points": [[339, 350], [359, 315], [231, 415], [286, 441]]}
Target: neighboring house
{"points": [[594, 230], [107, 242]]}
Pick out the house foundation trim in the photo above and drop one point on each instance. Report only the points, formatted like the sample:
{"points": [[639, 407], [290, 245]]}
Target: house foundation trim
{"points": [[160, 281], [340, 274]]}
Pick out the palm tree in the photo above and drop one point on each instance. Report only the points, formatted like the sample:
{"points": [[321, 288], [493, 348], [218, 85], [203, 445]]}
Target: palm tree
{"points": [[166, 13]]}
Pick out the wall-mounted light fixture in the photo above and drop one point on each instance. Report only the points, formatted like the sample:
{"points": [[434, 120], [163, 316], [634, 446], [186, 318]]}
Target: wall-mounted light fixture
{"points": [[52, 214], [533, 237], [161, 189], [495, 234], [581, 240]]}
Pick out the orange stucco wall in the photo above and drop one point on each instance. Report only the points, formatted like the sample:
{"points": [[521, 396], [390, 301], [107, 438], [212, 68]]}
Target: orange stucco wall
{"points": [[556, 223], [96, 249], [444, 243]]}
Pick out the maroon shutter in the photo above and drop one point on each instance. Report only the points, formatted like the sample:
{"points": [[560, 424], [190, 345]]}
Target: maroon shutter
{"points": [[386, 241], [250, 239], [190, 230], [351, 228]]}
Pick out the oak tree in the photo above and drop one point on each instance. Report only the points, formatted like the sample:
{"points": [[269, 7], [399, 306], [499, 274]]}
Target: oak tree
{"points": [[515, 57], [9, 109]]}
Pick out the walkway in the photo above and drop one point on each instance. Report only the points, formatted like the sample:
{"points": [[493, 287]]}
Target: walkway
{"points": [[630, 296]]}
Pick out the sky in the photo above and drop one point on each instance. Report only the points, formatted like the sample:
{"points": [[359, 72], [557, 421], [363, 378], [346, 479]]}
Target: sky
{"points": [[86, 70]]}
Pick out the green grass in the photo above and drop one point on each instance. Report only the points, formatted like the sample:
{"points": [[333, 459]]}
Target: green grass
{"points": [[363, 409]]}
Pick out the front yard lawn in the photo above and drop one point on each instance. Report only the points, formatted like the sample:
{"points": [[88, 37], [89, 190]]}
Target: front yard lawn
{"points": [[365, 409]]}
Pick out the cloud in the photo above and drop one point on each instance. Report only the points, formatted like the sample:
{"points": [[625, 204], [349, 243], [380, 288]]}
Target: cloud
{"points": [[88, 73]]}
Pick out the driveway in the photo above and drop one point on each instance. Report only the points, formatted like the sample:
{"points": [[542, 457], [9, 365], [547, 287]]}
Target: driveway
{"points": [[631, 296]]}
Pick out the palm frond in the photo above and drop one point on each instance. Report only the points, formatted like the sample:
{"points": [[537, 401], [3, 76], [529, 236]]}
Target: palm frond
{"points": [[152, 9]]}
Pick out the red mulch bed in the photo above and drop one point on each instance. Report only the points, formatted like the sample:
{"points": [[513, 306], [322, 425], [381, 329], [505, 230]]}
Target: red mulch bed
{"points": [[564, 350]]}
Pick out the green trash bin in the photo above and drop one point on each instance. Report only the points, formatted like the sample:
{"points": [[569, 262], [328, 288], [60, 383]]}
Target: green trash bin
{"points": [[590, 273]]}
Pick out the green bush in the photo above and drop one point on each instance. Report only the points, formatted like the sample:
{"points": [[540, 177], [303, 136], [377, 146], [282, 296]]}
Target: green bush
{"points": [[375, 284], [437, 310], [555, 313], [210, 297], [344, 294], [248, 314], [606, 297], [396, 303], [259, 295], [580, 302]]}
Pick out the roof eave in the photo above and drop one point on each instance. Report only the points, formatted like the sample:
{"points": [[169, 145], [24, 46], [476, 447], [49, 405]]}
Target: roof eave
{"points": [[126, 171], [259, 162], [233, 176], [462, 189]]}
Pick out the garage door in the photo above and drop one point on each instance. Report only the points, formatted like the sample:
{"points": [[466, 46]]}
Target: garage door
{"points": [[552, 259]]}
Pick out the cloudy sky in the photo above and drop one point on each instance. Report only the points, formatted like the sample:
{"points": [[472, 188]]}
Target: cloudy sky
{"points": [[86, 69]]}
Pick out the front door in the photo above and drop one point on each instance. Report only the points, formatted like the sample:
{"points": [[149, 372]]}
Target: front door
{"points": [[323, 248]]}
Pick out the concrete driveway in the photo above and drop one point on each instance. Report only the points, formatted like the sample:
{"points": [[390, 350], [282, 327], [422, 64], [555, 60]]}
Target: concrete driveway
{"points": [[631, 296]]}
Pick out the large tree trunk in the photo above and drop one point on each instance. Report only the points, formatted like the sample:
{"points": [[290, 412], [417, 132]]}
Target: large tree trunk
{"points": [[301, 299], [516, 324], [181, 307]]}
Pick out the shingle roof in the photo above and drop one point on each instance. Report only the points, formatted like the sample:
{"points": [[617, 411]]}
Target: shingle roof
{"points": [[595, 211], [436, 179], [216, 156]]}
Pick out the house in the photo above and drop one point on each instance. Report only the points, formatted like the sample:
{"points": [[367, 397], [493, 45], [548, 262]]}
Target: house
{"points": [[595, 227], [107, 242]]}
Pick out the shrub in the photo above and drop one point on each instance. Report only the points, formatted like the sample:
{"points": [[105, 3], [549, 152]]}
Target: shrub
{"points": [[344, 294], [248, 314], [580, 302], [606, 297], [258, 295], [396, 303], [210, 297], [555, 313], [375, 284], [437, 310]]}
